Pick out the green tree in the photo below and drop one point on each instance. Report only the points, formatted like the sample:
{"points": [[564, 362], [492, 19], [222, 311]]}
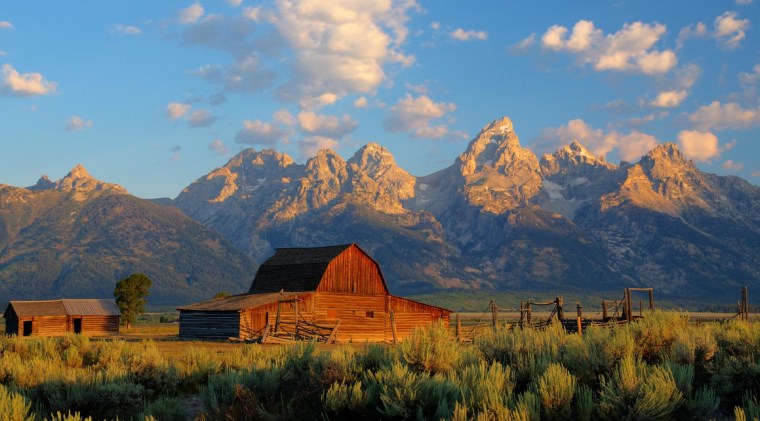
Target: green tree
{"points": [[222, 294], [130, 296]]}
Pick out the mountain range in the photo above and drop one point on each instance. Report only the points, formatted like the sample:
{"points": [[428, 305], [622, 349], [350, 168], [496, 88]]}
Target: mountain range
{"points": [[76, 237], [499, 218]]}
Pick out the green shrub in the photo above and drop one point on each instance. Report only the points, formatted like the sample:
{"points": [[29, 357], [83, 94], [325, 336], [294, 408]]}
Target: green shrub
{"points": [[430, 350], [556, 388], [14, 406]]}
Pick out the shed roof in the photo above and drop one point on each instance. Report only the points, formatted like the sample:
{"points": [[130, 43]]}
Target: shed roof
{"points": [[295, 269], [64, 307], [240, 302], [36, 308], [91, 307]]}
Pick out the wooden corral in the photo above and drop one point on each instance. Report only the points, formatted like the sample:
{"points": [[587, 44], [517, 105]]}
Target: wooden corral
{"points": [[60, 317], [334, 293]]}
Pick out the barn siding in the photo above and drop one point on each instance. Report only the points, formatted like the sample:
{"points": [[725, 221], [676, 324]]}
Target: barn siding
{"points": [[209, 324], [46, 325], [11, 325], [353, 272], [351, 310], [97, 325]]}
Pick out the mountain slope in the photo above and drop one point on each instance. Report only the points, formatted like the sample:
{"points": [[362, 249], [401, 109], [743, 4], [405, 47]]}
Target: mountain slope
{"points": [[78, 236]]}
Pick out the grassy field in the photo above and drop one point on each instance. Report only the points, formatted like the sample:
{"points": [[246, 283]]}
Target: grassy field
{"points": [[661, 367]]}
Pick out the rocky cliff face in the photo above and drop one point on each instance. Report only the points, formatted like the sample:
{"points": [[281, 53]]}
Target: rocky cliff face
{"points": [[76, 237]]}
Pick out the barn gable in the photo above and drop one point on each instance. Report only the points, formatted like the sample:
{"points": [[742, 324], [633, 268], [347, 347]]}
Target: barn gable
{"points": [[344, 269]]}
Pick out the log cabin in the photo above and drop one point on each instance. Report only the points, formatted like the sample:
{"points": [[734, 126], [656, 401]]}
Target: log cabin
{"points": [[91, 317], [334, 293]]}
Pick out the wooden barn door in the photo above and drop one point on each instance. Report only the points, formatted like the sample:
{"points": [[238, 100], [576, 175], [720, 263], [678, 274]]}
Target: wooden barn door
{"points": [[27, 328]]}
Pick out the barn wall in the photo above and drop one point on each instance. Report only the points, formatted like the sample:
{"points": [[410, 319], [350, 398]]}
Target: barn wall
{"points": [[45, 325], [352, 272], [11, 325], [411, 314], [362, 318], [209, 324], [97, 325]]}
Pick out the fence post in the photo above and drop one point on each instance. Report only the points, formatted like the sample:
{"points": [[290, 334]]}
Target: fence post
{"points": [[604, 310], [530, 312], [651, 299], [494, 315], [393, 327], [560, 304], [580, 326], [459, 329], [580, 311]]}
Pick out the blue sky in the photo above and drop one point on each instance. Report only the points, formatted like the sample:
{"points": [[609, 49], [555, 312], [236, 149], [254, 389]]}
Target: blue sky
{"points": [[152, 95]]}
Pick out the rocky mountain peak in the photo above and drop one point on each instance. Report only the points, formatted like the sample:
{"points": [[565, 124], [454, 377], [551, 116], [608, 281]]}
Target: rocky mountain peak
{"points": [[494, 147], [373, 159], [378, 181], [676, 178], [43, 183], [79, 180]]}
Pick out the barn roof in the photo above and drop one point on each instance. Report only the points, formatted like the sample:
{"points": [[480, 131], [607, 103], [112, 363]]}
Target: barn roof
{"points": [[239, 302], [295, 269], [91, 307], [64, 307]]}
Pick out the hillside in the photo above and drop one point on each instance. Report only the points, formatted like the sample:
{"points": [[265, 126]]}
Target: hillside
{"points": [[77, 237]]}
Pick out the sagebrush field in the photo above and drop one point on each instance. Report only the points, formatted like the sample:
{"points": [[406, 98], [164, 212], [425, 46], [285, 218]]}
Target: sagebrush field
{"points": [[660, 367]]}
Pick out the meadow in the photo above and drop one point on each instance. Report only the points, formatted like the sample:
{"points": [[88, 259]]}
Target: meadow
{"points": [[660, 367]]}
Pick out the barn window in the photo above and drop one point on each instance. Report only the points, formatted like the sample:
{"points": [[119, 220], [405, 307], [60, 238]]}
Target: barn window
{"points": [[332, 313], [370, 314]]}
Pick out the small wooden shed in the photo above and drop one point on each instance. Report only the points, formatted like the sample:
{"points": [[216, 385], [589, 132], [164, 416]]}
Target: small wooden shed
{"points": [[336, 292], [60, 317]]}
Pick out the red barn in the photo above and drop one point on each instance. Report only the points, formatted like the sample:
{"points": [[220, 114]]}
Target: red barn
{"points": [[307, 292]]}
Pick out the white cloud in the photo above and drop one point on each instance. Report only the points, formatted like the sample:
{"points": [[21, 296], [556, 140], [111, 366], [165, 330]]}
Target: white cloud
{"points": [[177, 110], [234, 3], [460, 34], [191, 14], [284, 117], [730, 165], [695, 30], [632, 48], [628, 147], [687, 76], [727, 116], [697, 145], [435, 26], [341, 47], [415, 115], [4, 24], [729, 30], [77, 123], [3, 53], [257, 132], [201, 118], [750, 78], [246, 74], [13, 83], [218, 147], [744, 2], [325, 125], [361, 102], [669, 99], [309, 146], [524, 44], [252, 13], [123, 29]]}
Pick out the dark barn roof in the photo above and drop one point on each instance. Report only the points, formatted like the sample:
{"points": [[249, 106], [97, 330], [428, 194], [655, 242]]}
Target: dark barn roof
{"points": [[295, 269], [240, 302], [64, 307]]}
